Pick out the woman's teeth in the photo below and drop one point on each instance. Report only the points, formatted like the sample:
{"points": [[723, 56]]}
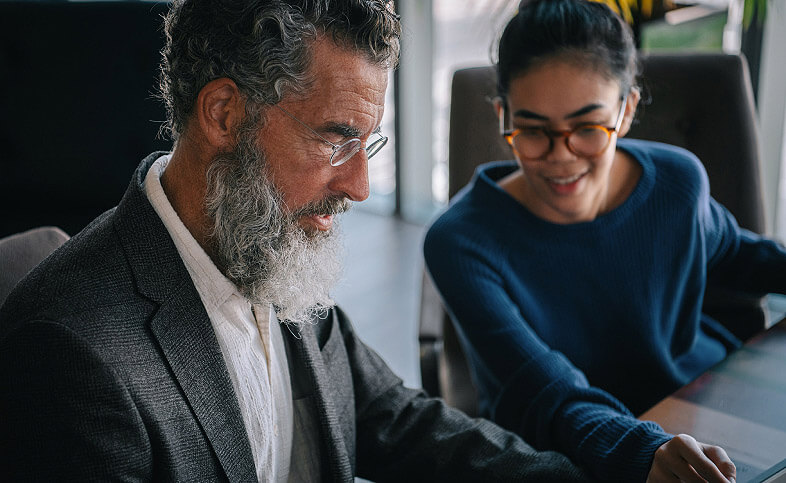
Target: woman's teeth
{"points": [[569, 180]]}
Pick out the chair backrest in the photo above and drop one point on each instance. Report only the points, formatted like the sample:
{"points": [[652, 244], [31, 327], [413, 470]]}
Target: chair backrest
{"points": [[702, 102], [21, 252], [77, 107]]}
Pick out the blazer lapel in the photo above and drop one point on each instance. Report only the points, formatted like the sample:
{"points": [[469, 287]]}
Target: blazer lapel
{"points": [[309, 361], [183, 328], [189, 344]]}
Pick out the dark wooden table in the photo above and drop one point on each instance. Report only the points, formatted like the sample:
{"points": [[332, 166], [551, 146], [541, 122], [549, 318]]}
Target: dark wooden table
{"points": [[739, 404]]}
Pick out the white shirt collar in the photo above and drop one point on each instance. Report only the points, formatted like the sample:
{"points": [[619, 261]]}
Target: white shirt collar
{"points": [[213, 287]]}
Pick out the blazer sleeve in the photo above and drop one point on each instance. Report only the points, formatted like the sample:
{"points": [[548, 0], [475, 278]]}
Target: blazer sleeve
{"points": [[403, 435], [65, 415]]}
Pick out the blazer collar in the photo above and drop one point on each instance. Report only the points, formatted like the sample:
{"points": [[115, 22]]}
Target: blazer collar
{"points": [[182, 327]]}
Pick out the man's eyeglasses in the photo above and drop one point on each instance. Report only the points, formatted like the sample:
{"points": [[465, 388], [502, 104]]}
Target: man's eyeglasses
{"points": [[584, 140], [344, 151]]}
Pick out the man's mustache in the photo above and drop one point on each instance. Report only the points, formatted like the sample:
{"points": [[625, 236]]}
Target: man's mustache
{"points": [[333, 205]]}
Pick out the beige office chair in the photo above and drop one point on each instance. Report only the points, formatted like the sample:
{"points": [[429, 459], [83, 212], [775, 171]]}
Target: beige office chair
{"points": [[702, 102], [21, 252]]}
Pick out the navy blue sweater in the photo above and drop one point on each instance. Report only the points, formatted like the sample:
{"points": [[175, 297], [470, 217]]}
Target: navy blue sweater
{"points": [[570, 330]]}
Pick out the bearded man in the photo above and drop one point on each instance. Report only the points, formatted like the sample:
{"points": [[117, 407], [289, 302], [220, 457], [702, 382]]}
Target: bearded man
{"points": [[188, 334]]}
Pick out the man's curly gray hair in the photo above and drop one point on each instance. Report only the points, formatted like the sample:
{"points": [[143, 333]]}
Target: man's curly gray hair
{"points": [[263, 45]]}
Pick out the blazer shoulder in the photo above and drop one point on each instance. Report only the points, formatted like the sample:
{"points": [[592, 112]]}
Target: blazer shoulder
{"points": [[87, 272]]}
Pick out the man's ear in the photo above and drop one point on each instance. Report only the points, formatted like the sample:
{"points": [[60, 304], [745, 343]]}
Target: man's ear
{"points": [[630, 111], [219, 109]]}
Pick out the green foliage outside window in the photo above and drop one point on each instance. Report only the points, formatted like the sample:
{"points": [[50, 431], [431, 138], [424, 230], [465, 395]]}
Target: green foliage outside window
{"points": [[636, 12], [700, 35]]}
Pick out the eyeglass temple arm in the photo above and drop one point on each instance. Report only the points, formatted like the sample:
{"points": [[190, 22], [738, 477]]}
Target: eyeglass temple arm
{"points": [[503, 116], [621, 114], [305, 126]]}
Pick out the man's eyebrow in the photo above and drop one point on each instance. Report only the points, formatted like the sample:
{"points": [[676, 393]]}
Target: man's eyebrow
{"points": [[342, 129], [523, 113]]}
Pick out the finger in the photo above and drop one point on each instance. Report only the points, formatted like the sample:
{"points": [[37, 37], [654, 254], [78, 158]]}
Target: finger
{"points": [[684, 472], [693, 454], [661, 475], [671, 459], [721, 459]]}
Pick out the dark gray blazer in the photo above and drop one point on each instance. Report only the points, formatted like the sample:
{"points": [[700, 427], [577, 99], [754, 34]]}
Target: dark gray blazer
{"points": [[110, 370]]}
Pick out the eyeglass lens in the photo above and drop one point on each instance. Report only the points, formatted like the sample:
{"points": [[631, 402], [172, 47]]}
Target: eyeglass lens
{"points": [[343, 153], [584, 141], [587, 140]]}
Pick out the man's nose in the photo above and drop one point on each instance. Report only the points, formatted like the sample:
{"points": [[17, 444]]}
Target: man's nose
{"points": [[351, 178]]}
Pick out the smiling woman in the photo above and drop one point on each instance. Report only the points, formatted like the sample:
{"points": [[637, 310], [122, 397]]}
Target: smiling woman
{"points": [[575, 275]]}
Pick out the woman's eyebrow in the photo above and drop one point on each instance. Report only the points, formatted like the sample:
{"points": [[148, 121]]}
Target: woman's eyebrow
{"points": [[584, 110], [524, 113], [529, 115]]}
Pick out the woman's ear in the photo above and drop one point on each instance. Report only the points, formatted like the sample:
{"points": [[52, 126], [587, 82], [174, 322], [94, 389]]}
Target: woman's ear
{"points": [[630, 111], [219, 109]]}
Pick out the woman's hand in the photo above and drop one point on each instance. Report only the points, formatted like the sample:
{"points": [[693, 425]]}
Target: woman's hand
{"points": [[685, 459]]}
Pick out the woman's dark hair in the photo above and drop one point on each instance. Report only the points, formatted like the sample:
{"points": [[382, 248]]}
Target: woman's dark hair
{"points": [[577, 30]]}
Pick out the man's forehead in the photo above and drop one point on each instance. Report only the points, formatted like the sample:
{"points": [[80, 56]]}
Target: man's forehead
{"points": [[340, 77], [345, 85]]}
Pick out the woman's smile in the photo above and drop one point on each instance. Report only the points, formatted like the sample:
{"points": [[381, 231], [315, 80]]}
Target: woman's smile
{"points": [[566, 184]]}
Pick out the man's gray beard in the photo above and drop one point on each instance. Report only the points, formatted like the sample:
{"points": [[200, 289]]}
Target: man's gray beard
{"points": [[262, 249]]}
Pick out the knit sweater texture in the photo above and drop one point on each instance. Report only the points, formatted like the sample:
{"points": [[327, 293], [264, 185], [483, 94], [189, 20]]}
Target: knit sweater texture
{"points": [[571, 330]]}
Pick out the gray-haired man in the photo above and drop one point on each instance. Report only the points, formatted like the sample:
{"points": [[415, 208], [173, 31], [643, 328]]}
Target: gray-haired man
{"points": [[149, 347]]}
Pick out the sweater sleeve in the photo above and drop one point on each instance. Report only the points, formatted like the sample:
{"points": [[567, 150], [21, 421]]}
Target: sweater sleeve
{"points": [[535, 391], [403, 435], [740, 259]]}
